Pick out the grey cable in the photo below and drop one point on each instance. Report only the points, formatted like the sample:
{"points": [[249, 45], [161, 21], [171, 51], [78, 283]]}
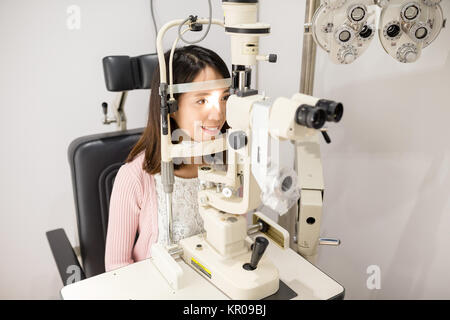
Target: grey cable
{"points": [[154, 21], [207, 30]]}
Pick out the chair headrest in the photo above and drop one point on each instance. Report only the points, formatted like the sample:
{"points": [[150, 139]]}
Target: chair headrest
{"points": [[125, 73]]}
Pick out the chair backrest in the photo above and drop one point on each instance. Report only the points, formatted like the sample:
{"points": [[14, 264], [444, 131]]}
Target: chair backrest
{"points": [[94, 162]]}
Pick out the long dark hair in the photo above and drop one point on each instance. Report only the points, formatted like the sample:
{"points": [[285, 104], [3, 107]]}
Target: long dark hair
{"points": [[188, 62]]}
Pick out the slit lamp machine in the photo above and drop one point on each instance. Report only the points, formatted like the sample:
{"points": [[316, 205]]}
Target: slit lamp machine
{"points": [[225, 254]]}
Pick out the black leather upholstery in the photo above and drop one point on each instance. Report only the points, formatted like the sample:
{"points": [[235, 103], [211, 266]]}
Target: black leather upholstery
{"points": [[64, 255], [124, 73], [94, 162]]}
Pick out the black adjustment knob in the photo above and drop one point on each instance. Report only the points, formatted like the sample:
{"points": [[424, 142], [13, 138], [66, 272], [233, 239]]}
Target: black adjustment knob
{"points": [[272, 58], [326, 137], [105, 108], [196, 27], [173, 106], [259, 247]]}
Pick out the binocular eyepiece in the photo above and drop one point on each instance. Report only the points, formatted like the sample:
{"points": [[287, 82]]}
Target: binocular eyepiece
{"points": [[315, 116]]}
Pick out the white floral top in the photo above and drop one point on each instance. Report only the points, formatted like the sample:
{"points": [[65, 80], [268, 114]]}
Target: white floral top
{"points": [[187, 221]]}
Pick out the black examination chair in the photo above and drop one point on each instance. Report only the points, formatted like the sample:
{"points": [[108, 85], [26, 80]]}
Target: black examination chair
{"points": [[94, 161]]}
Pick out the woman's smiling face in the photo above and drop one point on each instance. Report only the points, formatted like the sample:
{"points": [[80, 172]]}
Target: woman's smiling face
{"points": [[201, 114]]}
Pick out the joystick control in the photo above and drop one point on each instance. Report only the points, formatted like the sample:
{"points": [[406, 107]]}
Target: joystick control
{"points": [[259, 247]]}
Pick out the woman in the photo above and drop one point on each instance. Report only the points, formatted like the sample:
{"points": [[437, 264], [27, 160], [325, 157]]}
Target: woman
{"points": [[137, 213]]}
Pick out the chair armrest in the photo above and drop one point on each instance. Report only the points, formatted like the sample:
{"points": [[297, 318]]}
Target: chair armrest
{"points": [[65, 257]]}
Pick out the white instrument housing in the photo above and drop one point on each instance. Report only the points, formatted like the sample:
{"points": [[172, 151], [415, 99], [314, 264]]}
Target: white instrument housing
{"points": [[407, 27], [344, 29]]}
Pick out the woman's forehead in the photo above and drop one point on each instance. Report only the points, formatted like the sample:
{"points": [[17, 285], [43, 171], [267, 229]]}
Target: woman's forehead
{"points": [[209, 92], [208, 81], [207, 74]]}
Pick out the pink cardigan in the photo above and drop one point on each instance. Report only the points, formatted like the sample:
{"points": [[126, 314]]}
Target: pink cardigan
{"points": [[133, 209]]}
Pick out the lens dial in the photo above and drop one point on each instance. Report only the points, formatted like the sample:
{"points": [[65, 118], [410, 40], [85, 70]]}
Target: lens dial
{"points": [[392, 30], [410, 12], [357, 13], [366, 33], [408, 53], [344, 35], [420, 32], [347, 54]]}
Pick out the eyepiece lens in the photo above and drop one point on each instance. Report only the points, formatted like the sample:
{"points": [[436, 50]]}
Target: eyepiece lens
{"points": [[393, 31], [338, 112], [358, 14], [310, 116], [411, 12], [344, 36], [333, 110], [421, 33], [366, 32], [316, 118]]}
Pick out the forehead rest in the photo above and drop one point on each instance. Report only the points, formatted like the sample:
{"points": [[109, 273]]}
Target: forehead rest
{"points": [[125, 73]]}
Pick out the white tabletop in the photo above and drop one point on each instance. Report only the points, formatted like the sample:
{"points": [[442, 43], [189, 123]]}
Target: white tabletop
{"points": [[142, 280]]}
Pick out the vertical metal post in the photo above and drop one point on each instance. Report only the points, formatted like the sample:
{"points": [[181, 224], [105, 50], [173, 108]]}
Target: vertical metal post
{"points": [[309, 50], [119, 112], [307, 87]]}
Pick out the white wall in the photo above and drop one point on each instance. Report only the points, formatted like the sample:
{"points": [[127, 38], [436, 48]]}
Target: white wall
{"points": [[386, 171]]}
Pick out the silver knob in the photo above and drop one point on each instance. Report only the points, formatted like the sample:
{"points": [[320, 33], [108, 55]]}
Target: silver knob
{"points": [[410, 56], [227, 192], [329, 241], [349, 57], [347, 54], [407, 53]]}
